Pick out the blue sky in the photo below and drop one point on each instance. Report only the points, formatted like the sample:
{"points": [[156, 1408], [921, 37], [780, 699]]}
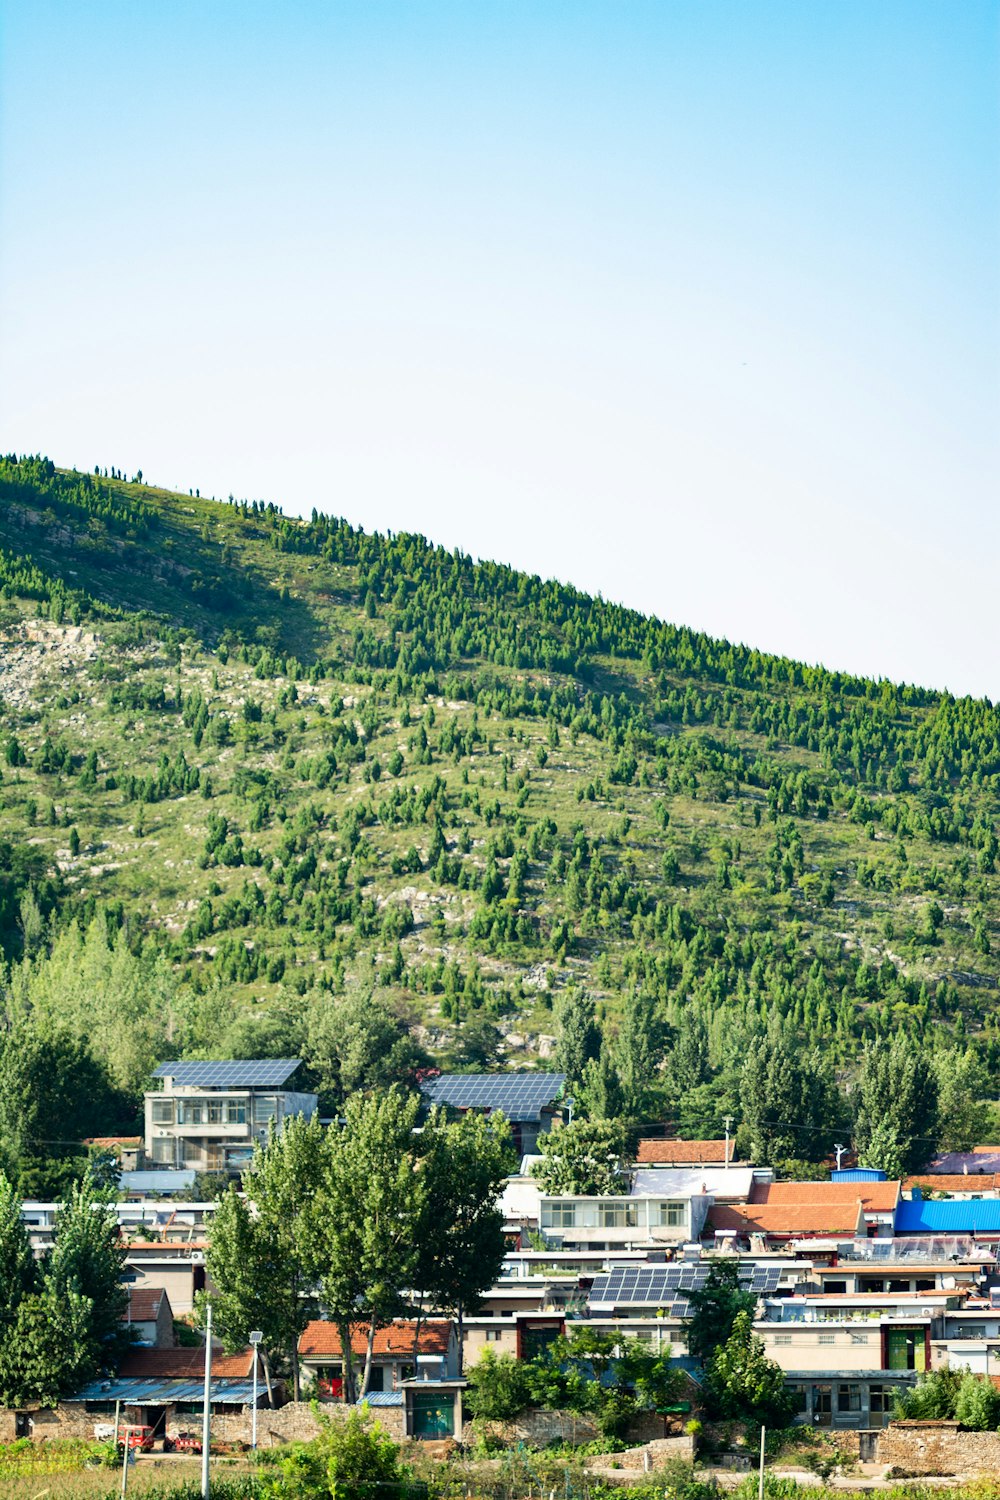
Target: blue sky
{"points": [[695, 304]]}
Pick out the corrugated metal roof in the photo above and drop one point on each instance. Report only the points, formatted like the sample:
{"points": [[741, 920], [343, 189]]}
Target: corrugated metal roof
{"points": [[948, 1216], [382, 1398], [164, 1392], [858, 1174]]}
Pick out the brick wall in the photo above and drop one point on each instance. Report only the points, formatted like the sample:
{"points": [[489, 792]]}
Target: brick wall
{"points": [[939, 1448]]}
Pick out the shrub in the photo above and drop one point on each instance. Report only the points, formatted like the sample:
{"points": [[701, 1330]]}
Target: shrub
{"points": [[978, 1403]]}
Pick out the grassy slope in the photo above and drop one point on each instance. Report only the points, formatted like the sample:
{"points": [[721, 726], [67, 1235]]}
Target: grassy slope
{"points": [[57, 681]]}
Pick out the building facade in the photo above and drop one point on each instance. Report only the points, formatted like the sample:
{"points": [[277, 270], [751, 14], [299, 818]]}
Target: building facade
{"points": [[208, 1116]]}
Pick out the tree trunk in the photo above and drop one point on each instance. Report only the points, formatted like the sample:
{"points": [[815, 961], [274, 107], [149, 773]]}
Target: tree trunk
{"points": [[265, 1360], [347, 1363], [416, 1329], [461, 1357], [368, 1359], [296, 1374]]}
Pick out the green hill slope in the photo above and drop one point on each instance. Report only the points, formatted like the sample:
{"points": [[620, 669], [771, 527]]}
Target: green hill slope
{"points": [[287, 763]]}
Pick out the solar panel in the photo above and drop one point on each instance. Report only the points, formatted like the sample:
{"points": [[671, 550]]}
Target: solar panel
{"points": [[233, 1074], [521, 1096], [650, 1286]]}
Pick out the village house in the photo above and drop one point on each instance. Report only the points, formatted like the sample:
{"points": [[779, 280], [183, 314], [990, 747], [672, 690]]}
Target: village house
{"points": [[149, 1317], [414, 1385], [678, 1153], [527, 1100], [779, 1213], [844, 1354], [400, 1353], [164, 1389], [208, 1116]]}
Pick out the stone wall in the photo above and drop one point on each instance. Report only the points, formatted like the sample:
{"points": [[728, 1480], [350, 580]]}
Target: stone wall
{"points": [[655, 1454], [292, 1423], [938, 1448], [538, 1428], [296, 1422], [67, 1421]]}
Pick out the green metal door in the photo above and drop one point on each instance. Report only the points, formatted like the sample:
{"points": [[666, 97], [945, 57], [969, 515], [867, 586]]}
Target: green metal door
{"points": [[433, 1414]]}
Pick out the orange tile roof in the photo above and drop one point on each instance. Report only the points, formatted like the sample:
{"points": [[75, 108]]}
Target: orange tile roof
{"points": [[173, 1364], [113, 1140], [679, 1153], [322, 1338], [956, 1182], [877, 1197], [786, 1219]]}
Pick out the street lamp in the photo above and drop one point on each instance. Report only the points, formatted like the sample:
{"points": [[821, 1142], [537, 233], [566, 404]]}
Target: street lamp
{"points": [[255, 1338]]}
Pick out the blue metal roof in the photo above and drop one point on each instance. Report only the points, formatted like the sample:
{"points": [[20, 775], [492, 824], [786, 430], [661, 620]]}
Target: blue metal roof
{"points": [[164, 1392], [948, 1216], [858, 1174], [521, 1096], [381, 1398]]}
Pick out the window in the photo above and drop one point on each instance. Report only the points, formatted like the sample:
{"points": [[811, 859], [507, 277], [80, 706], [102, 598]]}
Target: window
{"points": [[617, 1215], [264, 1110], [783, 1338], [834, 1288], [880, 1399], [799, 1401], [236, 1111], [214, 1114], [190, 1112], [494, 1335], [848, 1398], [674, 1215], [828, 1338], [859, 1338], [558, 1215], [164, 1151], [163, 1111]]}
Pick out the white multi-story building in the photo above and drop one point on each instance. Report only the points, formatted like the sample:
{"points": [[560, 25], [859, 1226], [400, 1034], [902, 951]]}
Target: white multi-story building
{"points": [[208, 1116]]}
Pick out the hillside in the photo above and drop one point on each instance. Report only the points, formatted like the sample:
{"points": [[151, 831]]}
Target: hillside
{"points": [[289, 763]]}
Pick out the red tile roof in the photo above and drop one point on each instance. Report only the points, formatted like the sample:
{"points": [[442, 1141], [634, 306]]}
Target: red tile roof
{"points": [[144, 1304], [113, 1140], [680, 1153], [323, 1338], [173, 1364]]}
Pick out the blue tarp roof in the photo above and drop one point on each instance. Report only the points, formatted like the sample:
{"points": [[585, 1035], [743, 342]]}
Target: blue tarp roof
{"points": [[164, 1392], [948, 1216]]}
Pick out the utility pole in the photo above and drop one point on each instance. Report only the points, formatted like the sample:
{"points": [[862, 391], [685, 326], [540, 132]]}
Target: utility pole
{"points": [[255, 1338], [206, 1421], [840, 1152], [760, 1482], [727, 1122]]}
